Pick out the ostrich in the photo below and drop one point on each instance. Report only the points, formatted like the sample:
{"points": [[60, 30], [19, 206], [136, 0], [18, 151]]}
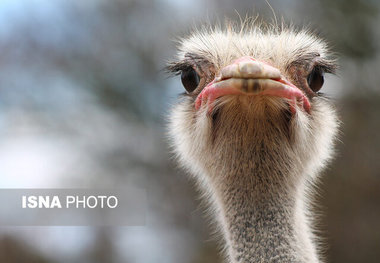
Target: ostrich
{"points": [[254, 131]]}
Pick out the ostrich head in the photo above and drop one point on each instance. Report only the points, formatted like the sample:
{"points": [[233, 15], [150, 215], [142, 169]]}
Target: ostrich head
{"points": [[254, 129]]}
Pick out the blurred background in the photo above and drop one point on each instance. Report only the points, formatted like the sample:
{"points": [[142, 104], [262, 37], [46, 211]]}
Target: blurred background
{"points": [[83, 101]]}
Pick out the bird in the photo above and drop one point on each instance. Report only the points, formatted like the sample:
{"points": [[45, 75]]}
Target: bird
{"points": [[254, 131]]}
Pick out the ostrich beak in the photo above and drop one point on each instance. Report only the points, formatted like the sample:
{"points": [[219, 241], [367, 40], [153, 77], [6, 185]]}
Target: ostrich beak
{"points": [[248, 76]]}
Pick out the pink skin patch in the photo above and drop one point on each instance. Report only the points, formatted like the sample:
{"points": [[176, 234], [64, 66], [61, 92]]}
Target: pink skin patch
{"points": [[258, 78]]}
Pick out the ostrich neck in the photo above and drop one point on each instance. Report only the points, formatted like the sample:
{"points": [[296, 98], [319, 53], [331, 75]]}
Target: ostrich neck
{"points": [[262, 215]]}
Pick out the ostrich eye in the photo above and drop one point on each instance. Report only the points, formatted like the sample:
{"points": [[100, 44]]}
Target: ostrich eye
{"points": [[190, 79], [315, 79]]}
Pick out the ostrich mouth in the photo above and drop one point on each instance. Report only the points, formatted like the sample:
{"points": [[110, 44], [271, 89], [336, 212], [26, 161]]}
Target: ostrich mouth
{"points": [[247, 76]]}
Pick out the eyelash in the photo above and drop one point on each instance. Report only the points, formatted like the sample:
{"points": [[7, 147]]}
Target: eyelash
{"points": [[176, 68]]}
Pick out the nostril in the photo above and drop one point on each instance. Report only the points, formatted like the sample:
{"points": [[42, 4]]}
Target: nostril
{"points": [[250, 68]]}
